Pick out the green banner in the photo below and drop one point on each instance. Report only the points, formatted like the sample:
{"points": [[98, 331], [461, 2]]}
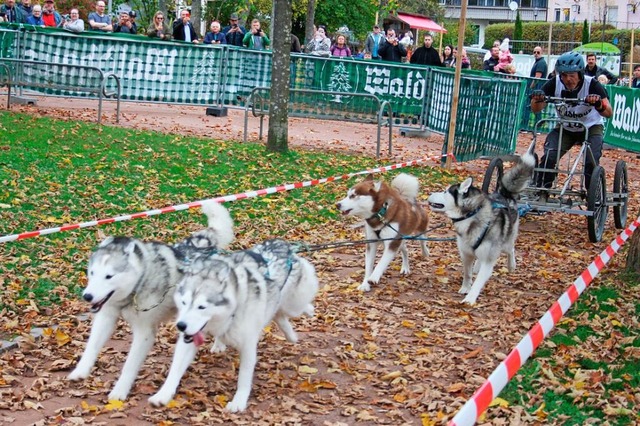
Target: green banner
{"points": [[623, 128]]}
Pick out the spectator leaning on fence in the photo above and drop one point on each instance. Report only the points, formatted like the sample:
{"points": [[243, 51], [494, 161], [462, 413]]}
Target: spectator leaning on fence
{"points": [[320, 44], [158, 27], [124, 24], [592, 70], [491, 64], [36, 16], [73, 22], [340, 47], [183, 29], [234, 33], [98, 20], [256, 38], [635, 83], [215, 36], [27, 8], [50, 15], [391, 50], [426, 54], [12, 13]]}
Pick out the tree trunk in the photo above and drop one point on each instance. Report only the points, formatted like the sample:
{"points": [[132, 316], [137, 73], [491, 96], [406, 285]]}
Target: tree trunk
{"points": [[162, 7], [633, 256], [278, 106], [196, 16], [311, 17]]}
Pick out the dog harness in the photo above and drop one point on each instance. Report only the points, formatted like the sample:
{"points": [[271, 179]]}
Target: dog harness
{"points": [[494, 205]]}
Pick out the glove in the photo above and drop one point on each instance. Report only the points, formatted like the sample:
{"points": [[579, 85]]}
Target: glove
{"points": [[598, 103], [537, 95]]}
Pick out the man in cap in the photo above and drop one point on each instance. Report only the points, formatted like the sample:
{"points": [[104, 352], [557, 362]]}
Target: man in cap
{"points": [[50, 16], [233, 32]]}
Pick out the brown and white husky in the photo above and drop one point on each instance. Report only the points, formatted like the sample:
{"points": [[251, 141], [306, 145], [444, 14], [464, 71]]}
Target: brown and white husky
{"points": [[391, 212]]}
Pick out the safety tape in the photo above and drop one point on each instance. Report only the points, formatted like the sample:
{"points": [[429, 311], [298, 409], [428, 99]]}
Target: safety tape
{"points": [[195, 204], [481, 399]]}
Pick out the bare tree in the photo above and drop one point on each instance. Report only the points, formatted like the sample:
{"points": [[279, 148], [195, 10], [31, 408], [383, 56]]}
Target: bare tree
{"points": [[281, 58], [311, 17]]}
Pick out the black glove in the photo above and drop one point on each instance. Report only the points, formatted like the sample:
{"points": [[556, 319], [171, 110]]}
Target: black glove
{"points": [[598, 103]]}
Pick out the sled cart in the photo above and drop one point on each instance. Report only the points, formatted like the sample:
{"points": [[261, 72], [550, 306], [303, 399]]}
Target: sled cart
{"points": [[569, 192]]}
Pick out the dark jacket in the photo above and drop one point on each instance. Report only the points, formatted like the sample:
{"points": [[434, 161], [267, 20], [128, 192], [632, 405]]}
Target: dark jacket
{"points": [[210, 37], [234, 38], [597, 72], [14, 15], [490, 63], [392, 53], [426, 56], [295, 44], [178, 30]]}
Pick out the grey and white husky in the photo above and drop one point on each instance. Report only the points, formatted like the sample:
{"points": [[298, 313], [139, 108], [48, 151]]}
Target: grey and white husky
{"points": [[486, 224], [136, 280], [233, 297]]}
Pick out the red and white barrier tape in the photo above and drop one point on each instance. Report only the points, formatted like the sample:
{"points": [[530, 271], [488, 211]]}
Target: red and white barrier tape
{"points": [[475, 406], [234, 197]]}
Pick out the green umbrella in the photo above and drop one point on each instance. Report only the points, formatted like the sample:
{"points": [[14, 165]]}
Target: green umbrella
{"points": [[598, 47]]}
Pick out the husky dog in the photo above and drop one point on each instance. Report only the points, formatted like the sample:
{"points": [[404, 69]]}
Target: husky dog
{"points": [[233, 297], [136, 280], [486, 225], [390, 213]]}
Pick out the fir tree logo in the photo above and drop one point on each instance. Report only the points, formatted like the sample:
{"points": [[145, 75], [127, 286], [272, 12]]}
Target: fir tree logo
{"points": [[339, 81], [205, 78]]}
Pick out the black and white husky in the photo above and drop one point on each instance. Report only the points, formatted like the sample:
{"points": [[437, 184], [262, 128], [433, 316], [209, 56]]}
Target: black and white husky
{"points": [[233, 297], [486, 224], [136, 280]]}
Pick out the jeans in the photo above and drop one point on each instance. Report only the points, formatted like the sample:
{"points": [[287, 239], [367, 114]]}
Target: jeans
{"points": [[569, 139]]}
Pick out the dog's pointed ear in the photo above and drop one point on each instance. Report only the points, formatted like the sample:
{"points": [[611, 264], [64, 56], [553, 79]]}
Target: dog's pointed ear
{"points": [[106, 242], [369, 177], [377, 185], [464, 186], [131, 247]]}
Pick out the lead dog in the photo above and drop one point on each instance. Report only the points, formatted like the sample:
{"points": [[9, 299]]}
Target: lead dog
{"points": [[136, 280], [390, 213], [233, 297], [486, 224]]}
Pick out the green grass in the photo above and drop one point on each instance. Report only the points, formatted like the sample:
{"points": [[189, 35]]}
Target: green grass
{"points": [[63, 172]]}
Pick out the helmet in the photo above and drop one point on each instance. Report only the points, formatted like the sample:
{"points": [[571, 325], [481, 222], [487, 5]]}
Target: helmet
{"points": [[570, 62]]}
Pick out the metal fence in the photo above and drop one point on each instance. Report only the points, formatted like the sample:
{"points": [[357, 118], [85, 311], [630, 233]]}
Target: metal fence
{"points": [[175, 72]]}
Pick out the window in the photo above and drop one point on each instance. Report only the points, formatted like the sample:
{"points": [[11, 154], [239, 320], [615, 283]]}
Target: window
{"points": [[566, 14], [557, 15]]}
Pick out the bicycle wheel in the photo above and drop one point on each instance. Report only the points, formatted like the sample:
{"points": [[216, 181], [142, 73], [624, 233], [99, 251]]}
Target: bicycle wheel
{"points": [[597, 204], [621, 191], [493, 176]]}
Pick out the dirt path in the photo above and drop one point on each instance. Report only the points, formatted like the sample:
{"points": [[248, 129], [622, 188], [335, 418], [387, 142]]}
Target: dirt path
{"points": [[406, 353]]}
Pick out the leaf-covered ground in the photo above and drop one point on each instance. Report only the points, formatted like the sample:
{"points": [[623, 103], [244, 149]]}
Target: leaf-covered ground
{"points": [[406, 353]]}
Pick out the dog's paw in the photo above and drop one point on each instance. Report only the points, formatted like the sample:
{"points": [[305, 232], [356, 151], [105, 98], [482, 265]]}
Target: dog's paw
{"points": [[218, 347], [160, 399], [309, 310], [464, 289], [405, 271], [364, 287], [469, 300], [118, 394], [236, 406], [78, 374]]}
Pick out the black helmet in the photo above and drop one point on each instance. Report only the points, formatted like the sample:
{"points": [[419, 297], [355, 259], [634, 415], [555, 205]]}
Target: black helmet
{"points": [[570, 62]]}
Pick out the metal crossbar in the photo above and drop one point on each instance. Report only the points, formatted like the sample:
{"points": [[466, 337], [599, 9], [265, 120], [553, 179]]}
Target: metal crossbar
{"points": [[324, 105], [56, 76]]}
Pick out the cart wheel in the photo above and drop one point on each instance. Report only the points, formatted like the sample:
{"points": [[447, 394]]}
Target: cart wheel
{"points": [[621, 191], [493, 176], [597, 204]]}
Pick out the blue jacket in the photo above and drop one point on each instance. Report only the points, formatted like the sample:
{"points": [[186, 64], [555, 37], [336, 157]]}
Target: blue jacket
{"points": [[210, 37]]}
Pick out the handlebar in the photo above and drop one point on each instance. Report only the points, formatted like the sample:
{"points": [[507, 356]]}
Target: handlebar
{"points": [[564, 101]]}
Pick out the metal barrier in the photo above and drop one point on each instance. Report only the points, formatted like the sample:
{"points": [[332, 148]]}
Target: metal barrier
{"points": [[60, 77], [325, 105]]}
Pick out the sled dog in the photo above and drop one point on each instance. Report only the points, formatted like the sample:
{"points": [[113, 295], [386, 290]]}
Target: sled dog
{"points": [[232, 297], [486, 224], [390, 212], [136, 280]]}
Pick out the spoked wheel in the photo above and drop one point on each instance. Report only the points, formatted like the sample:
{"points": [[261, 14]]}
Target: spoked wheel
{"points": [[493, 176], [621, 191], [597, 204]]}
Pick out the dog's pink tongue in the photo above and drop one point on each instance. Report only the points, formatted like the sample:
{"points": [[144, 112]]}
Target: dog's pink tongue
{"points": [[198, 338]]}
